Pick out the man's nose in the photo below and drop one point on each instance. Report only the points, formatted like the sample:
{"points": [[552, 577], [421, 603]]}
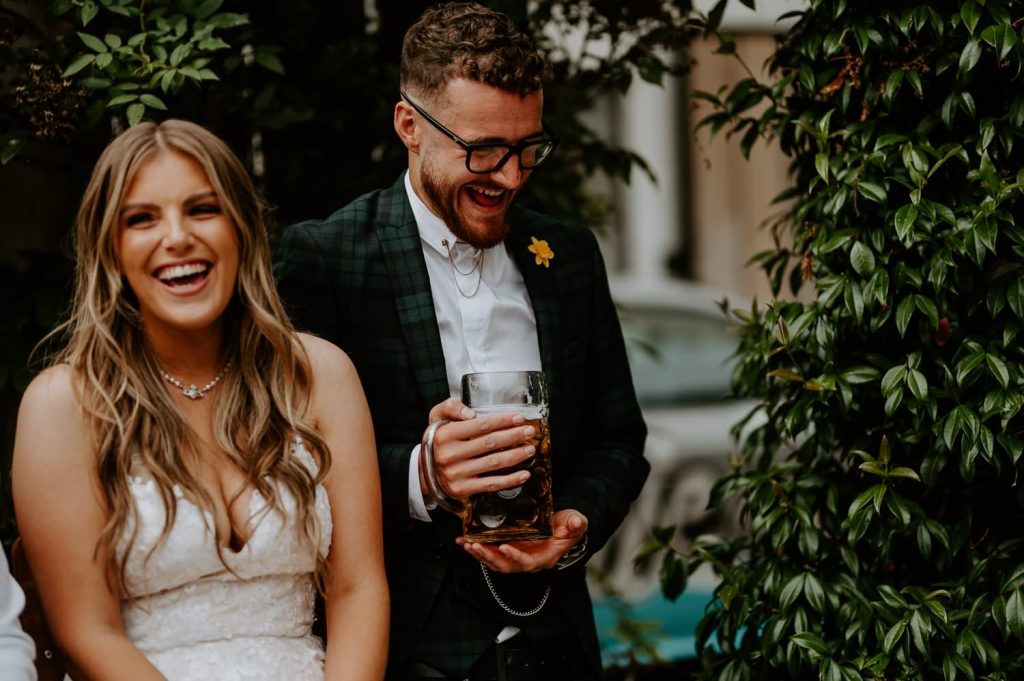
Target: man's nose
{"points": [[511, 175]]}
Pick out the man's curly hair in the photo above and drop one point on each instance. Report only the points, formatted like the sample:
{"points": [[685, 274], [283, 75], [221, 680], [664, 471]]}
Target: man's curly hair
{"points": [[468, 40]]}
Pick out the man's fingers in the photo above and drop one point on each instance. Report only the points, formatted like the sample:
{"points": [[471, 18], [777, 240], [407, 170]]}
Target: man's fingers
{"points": [[463, 487], [451, 409]]}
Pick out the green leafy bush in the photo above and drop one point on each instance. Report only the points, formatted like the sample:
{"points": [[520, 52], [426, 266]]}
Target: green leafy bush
{"points": [[881, 492]]}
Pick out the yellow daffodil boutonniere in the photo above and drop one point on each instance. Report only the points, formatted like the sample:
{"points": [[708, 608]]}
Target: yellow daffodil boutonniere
{"points": [[540, 248]]}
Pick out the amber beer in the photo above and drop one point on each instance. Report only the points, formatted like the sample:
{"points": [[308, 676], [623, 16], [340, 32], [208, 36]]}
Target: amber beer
{"points": [[523, 512]]}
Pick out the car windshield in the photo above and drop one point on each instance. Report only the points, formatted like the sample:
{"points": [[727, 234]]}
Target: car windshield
{"points": [[678, 356]]}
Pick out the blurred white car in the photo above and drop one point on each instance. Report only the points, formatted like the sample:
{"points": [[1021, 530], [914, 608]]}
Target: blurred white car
{"points": [[680, 347]]}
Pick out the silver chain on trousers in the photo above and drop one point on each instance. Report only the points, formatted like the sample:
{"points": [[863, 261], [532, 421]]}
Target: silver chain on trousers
{"points": [[504, 606]]}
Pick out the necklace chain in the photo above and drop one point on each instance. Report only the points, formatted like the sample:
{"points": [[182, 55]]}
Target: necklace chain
{"points": [[478, 264], [192, 391], [504, 606]]}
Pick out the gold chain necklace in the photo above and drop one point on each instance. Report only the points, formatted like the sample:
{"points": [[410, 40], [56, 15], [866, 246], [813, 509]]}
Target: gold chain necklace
{"points": [[192, 391], [478, 264]]}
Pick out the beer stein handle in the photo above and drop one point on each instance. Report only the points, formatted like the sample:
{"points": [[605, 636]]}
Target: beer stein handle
{"points": [[443, 499]]}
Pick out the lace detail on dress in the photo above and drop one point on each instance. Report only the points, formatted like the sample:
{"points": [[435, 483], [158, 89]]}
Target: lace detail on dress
{"points": [[197, 621]]}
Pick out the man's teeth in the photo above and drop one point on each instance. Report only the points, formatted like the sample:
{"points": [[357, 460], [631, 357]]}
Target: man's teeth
{"points": [[488, 192], [178, 271]]}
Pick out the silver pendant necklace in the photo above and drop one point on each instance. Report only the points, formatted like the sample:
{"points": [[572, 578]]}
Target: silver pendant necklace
{"points": [[478, 264], [192, 391]]}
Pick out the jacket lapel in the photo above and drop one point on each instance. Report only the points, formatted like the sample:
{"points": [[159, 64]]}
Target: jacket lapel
{"points": [[400, 244], [542, 286]]}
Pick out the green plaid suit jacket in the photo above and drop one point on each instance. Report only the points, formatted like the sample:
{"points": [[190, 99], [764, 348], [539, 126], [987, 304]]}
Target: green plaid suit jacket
{"points": [[358, 279]]}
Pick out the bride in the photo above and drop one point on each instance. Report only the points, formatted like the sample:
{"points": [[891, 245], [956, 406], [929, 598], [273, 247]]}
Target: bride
{"points": [[191, 469]]}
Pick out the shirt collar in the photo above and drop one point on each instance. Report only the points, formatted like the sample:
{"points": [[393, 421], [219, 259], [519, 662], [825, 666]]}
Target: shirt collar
{"points": [[431, 228]]}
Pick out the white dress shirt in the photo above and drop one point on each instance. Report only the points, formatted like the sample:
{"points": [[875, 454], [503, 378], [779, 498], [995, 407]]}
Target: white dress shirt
{"points": [[483, 314], [16, 649]]}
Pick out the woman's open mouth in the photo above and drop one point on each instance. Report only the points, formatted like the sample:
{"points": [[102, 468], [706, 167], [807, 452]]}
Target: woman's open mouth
{"points": [[184, 277]]}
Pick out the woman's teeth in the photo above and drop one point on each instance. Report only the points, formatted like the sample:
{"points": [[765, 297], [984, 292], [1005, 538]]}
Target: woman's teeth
{"points": [[174, 273]]}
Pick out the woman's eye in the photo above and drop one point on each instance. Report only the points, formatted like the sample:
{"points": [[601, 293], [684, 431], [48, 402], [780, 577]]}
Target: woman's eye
{"points": [[137, 219], [205, 209]]}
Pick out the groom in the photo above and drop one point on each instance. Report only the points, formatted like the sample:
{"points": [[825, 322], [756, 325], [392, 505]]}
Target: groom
{"points": [[440, 275]]}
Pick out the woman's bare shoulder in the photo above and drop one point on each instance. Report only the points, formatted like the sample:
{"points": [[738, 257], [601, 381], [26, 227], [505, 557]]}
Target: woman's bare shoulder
{"points": [[51, 422], [53, 391], [327, 358]]}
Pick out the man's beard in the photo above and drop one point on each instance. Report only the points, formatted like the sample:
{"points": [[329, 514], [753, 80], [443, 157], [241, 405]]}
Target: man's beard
{"points": [[444, 198]]}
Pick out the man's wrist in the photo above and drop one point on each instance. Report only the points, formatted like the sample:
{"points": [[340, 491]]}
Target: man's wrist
{"points": [[574, 555]]}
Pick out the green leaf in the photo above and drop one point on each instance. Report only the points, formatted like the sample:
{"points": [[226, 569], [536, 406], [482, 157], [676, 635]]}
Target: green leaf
{"points": [[647, 551], [269, 61], [1015, 614], [904, 311], [873, 468], [854, 298], [228, 20], [92, 42], [893, 378], [672, 576], [905, 218], [794, 587], [969, 57], [1015, 297], [862, 259], [112, 40], [967, 365], [821, 164], [103, 60], [179, 53], [920, 628], [904, 472], [927, 307], [8, 151], [970, 13], [207, 7], [893, 636], [87, 12], [986, 227], [918, 384], [967, 103], [122, 99], [861, 374], [836, 241], [787, 374], [874, 192], [810, 641], [1002, 37], [135, 113], [78, 64], [814, 592], [153, 102], [948, 669], [998, 369]]}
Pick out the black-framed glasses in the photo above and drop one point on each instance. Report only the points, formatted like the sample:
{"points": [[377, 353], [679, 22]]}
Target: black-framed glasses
{"points": [[489, 157]]}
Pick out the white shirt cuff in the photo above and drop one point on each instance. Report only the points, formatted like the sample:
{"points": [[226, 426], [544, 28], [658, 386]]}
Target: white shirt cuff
{"points": [[419, 507]]}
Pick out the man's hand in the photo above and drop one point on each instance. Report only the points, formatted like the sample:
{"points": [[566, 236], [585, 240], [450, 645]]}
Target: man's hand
{"points": [[469, 448], [568, 527]]}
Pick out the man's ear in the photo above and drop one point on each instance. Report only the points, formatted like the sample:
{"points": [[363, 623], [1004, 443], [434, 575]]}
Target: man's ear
{"points": [[406, 126]]}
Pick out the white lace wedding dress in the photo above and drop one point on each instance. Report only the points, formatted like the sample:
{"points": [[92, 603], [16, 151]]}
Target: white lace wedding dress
{"points": [[196, 621]]}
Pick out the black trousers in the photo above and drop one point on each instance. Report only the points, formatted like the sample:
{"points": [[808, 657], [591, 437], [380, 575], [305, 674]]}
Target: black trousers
{"points": [[518, 659]]}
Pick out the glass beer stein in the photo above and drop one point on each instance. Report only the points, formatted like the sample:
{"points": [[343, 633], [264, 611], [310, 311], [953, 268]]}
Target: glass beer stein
{"points": [[519, 513]]}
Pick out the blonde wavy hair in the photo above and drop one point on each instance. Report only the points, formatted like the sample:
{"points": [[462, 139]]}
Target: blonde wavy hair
{"points": [[261, 404]]}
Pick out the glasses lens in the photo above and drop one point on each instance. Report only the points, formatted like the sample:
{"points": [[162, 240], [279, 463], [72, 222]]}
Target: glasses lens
{"points": [[486, 159], [537, 153]]}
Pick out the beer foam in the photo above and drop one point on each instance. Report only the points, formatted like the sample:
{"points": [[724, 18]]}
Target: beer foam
{"points": [[527, 411]]}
